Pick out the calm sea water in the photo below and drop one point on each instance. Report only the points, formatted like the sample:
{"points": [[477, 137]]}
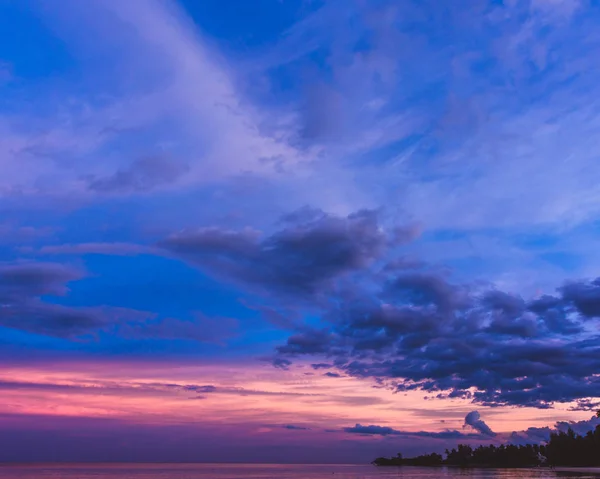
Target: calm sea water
{"points": [[253, 471]]}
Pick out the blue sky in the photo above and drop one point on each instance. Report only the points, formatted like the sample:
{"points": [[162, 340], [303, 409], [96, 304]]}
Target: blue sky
{"points": [[234, 182]]}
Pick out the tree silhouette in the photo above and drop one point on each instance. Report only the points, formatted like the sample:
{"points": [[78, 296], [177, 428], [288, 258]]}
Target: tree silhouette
{"points": [[563, 449]]}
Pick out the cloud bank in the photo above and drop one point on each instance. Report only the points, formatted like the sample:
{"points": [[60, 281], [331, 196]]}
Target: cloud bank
{"points": [[410, 326]]}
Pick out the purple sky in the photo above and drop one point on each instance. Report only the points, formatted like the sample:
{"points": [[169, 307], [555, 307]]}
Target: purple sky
{"points": [[300, 231]]}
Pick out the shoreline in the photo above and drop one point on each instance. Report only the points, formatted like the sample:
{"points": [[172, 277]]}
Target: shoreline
{"points": [[587, 470], [582, 469]]}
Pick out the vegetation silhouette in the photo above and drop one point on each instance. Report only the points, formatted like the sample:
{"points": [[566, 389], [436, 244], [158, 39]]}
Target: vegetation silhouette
{"points": [[562, 449]]}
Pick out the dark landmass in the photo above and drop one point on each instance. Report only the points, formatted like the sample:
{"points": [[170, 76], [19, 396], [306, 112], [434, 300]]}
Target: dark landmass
{"points": [[563, 449]]}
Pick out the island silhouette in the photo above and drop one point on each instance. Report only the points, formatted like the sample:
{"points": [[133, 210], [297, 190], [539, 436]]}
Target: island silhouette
{"points": [[564, 449]]}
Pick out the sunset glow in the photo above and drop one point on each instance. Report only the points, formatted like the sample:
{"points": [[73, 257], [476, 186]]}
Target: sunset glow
{"points": [[296, 231]]}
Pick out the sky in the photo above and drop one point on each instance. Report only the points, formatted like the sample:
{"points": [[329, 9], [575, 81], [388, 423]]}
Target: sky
{"points": [[296, 230]]}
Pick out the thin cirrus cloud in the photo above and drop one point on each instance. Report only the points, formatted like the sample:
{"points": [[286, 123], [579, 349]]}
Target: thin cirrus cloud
{"points": [[179, 102], [179, 63]]}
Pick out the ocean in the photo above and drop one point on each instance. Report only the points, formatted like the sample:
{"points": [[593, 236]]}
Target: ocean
{"points": [[269, 471]]}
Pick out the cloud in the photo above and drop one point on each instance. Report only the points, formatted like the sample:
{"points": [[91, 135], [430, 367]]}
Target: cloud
{"points": [[409, 329], [372, 430], [295, 428], [139, 388], [237, 391], [473, 419], [281, 363], [586, 405], [318, 366], [537, 435], [35, 279], [579, 427], [417, 330], [169, 102], [302, 259], [585, 297], [64, 322], [202, 389], [23, 288], [144, 174], [110, 249], [176, 118]]}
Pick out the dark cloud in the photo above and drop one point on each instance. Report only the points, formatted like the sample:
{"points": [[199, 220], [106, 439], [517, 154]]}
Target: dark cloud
{"points": [[307, 342], [281, 363], [295, 428], [19, 280], [372, 430], [585, 297], [586, 405], [23, 304], [143, 174], [473, 419], [204, 389], [417, 330], [302, 259], [22, 286], [52, 319], [321, 366], [332, 375], [407, 327]]}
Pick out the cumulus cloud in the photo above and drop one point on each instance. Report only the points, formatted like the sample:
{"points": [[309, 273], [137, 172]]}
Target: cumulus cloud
{"points": [[537, 435], [408, 328], [473, 419], [302, 259], [413, 329], [439, 337], [483, 432]]}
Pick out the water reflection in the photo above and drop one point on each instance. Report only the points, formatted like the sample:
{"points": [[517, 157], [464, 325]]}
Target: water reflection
{"points": [[253, 471]]}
